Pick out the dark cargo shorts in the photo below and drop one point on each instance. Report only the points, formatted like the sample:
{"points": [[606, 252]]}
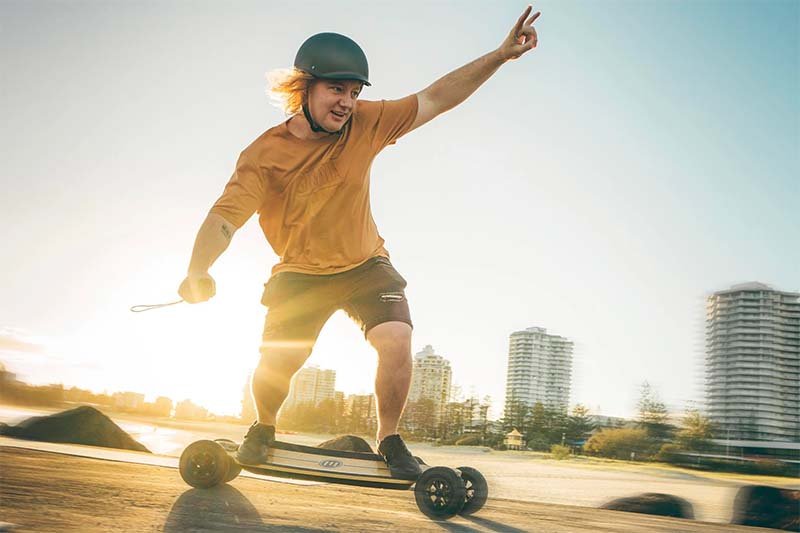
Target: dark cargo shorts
{"points": [[300, 304]]}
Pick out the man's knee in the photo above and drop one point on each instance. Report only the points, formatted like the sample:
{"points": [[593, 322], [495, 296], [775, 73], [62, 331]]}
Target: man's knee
{"points": [[282, 360], [391, 339]]}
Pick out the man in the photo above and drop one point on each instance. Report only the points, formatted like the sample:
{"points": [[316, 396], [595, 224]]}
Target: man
{"points": [[309, 180]]}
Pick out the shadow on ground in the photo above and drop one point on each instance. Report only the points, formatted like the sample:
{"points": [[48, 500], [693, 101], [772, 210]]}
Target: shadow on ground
{"points": [[221, 508], [491, 525], [485, 523], [454, 528]]}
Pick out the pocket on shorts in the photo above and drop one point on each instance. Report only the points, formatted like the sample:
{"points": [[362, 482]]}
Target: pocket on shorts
{"points": [[383, 276], [282, 287]]}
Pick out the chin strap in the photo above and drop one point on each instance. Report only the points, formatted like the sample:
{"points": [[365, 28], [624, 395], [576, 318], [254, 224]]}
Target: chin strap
{"points": [[313, 123]]}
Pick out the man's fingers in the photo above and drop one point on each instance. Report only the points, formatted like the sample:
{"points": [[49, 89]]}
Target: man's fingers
{"points": [[521, 19], [522, 36], [533, 18], [522, 48], [531, 40], [204, 290], [531, 43]]}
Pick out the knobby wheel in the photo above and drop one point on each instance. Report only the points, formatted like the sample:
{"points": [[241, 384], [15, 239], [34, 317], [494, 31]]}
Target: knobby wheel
{"points": [[440, 492], [234, 469], [477, 490], [204, 464]]}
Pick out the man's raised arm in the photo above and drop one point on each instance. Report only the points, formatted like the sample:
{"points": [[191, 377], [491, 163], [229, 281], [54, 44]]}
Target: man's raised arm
{"points": [[453, 88]]}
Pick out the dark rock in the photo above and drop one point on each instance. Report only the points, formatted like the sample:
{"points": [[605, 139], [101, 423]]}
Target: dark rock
{"points": [[82, 425], [347, 443], [763, 506], [653, 503]]}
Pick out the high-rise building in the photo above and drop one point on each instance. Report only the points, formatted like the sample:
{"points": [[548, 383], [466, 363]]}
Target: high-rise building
{"points": [[311, 385], [539, 369], [753, 363], [431, 380], [162, 406], [187, 409]]}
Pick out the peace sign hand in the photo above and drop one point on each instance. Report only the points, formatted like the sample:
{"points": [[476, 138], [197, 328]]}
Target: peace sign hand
{"points": [[522, 36]]}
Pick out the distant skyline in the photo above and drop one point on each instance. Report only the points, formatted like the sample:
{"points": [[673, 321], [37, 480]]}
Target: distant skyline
{"points": [[645, 155]]}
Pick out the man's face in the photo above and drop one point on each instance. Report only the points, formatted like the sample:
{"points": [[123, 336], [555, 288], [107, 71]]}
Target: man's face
{"points": [[331, 102]]}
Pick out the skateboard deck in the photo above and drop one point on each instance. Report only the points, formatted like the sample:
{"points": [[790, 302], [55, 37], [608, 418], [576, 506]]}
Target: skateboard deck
{"points": [[319, 464]]}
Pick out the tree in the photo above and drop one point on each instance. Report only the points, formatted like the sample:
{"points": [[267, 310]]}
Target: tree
{"points": [[696, 431], [483, 417], [456, 416], [326, 417], [539, 416], [557, 423], [516, 415], [653, 413], [579, 424], [420, 417], [359, 420], [538, 433]]}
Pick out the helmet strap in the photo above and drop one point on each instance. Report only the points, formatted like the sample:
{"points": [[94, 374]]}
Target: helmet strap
{"points": [[313, 123]]}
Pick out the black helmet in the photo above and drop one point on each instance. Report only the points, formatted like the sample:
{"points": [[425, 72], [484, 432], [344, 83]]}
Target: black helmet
{"points": [[333, 56]]}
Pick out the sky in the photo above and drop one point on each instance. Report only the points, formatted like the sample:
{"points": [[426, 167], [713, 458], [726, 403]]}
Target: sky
{"points": [[643, 155]]}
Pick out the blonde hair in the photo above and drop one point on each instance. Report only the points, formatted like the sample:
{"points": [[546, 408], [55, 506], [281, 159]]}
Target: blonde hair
{"points": [[288, 89]]}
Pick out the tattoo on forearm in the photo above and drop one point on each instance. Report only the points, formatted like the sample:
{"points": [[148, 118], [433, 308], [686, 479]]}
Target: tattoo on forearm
{"points": [[226, 231]]}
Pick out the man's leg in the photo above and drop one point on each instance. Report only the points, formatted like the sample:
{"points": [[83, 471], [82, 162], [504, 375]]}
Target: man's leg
{"points": [[392, 341], [269, 386], [297, 312], [378, 303], [271, 379]]}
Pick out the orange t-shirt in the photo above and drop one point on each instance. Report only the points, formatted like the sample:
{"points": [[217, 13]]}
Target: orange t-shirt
{"points": [[312, 196]]}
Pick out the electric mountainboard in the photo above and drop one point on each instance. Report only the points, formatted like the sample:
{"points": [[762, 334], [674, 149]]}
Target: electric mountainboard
{"points": [[440, 492]]}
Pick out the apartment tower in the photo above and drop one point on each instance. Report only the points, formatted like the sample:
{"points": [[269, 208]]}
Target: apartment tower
{"points": [[431, 379], [539, 369], [753, 363]]}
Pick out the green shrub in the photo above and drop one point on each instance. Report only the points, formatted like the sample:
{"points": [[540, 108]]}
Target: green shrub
{"points": [[668, 452], [770, 467], [559, 452], [469, 440], [493, 440], [619, 443], [764, 466], [540, 443]]}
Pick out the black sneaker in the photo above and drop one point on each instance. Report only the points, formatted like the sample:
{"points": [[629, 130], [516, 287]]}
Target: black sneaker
{"points": [[253, 450], [401, 463]]}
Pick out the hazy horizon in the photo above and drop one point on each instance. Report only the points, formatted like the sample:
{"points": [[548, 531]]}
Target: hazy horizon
{"points": [[644, 155]]}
